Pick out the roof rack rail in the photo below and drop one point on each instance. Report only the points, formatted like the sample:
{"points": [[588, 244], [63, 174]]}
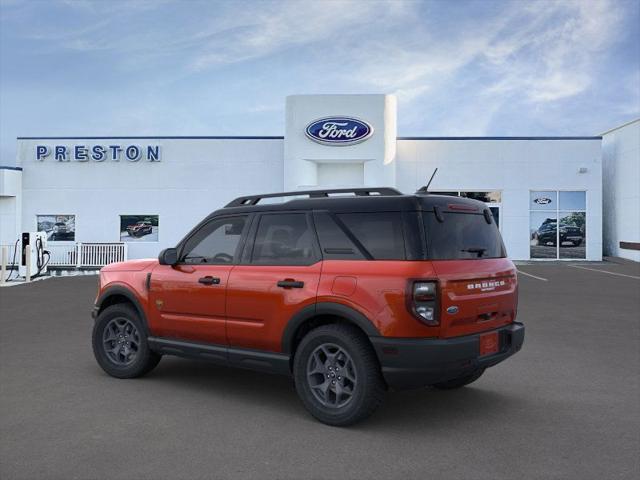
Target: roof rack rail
{"points": [[359, 192]]}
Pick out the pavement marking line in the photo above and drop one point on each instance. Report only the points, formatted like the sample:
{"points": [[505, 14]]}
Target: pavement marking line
{"points": [[605, 271], [532, 276]]}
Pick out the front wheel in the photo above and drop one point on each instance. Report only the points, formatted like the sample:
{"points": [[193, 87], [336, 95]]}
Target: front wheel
{"points": [[337, 375], [460, 381], [120, 343]]}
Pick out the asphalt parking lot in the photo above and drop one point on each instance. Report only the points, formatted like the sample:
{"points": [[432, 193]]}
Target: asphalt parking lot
{"points": [[567, 406]]}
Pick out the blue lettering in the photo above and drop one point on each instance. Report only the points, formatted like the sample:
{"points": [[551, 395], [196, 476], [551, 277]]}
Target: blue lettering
{"points": [[42, 151], [80, 153], [153, 153], [98, 153], [132, 153], [115, 152], [61, 153]]}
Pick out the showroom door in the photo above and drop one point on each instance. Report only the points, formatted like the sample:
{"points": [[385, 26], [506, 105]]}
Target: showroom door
{"points": [[187, 301], [280, 277], [557, 224]]}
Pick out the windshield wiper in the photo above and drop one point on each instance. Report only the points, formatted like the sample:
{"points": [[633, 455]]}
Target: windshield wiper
{"points": [[478, 250]]}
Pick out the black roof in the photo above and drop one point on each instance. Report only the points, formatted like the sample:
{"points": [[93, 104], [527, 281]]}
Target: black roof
{"points": [[352, 200]]}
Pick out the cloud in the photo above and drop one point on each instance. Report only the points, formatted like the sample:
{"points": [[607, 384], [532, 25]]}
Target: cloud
{"points": [[201, 67], [286, 25], [551, 50], [543, 51], [533, 55]]}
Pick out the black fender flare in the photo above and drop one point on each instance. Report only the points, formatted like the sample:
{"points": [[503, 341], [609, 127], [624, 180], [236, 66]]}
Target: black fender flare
{"points": [[325, 308], [129, 295]]}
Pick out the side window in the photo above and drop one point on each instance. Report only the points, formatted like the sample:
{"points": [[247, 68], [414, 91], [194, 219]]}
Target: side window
{"points": [[380, 233], [215, 243], [334, 242], [284, 239]]}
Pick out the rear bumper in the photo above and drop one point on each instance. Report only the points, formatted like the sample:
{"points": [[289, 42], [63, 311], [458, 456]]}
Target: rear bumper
{"points": [[413, 363]]}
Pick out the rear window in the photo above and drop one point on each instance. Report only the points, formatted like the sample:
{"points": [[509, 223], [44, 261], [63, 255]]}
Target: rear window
{"points": [[462, 236]]}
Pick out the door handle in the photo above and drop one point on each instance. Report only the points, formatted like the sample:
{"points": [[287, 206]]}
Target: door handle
{"points": [[290, 284], [208, 280]]}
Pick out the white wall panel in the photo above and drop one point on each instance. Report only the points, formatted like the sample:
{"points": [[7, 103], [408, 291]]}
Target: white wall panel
{"points": [[513, 166], [621, 183], [193, 178]]}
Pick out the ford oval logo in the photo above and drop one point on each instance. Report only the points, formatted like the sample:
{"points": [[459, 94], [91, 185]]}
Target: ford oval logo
{"points": [[338, 130], [452, 310], [542, 200]]}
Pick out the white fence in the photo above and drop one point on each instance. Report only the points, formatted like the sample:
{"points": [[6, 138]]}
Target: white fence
{"points": [[78, 255]]}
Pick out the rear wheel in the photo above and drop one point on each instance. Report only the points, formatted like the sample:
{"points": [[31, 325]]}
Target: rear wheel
{"points": [[337, 375], [460, 381], [120, 343]]}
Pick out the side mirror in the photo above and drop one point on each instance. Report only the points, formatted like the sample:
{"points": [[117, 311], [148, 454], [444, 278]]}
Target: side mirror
{"points": [[168, 256]]}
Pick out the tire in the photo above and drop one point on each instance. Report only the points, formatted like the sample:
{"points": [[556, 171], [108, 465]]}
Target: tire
{"points": [[459, 382], [360, 382], [134, 358]]}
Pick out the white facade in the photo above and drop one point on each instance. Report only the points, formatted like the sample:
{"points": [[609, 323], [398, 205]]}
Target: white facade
{"points": [[193, 176], [515, 168], [621, 184], [370, 163], [10, 204]]}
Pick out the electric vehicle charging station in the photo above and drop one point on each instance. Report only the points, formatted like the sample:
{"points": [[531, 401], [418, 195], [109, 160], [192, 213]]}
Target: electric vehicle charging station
{"points": [[34, 254]]}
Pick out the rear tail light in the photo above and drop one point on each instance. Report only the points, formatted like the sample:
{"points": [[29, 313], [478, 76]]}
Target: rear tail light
{"points": [[424, 302]]}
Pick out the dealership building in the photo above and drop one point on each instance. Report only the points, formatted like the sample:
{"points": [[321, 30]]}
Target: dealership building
{"points": [[546, 193]]}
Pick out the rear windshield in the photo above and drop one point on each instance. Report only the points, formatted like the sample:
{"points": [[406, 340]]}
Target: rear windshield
{"points": [[462, 236]]}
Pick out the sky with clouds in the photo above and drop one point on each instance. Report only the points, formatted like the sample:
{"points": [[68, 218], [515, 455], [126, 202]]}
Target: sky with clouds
{"points": [[189, 67]]}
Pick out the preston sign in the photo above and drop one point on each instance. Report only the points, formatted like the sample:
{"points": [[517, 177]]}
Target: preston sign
{"points": [[98, 153], [338, 130]]}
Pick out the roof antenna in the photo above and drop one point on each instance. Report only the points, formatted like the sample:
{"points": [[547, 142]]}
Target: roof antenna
{"points": [[425, 189]]}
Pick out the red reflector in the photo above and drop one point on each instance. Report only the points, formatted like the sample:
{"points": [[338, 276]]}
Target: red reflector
{"points": [[464, 208]]}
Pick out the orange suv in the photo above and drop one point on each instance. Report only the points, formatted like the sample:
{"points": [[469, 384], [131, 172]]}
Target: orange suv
{"points": [[351, 292]]}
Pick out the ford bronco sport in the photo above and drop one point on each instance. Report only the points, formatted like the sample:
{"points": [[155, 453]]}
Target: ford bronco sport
{"points": [[351, 292], [139, 229]]}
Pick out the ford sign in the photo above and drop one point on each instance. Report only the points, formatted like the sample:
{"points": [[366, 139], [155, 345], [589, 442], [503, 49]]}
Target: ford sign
{"points": [[338, 130], [542, 200]]}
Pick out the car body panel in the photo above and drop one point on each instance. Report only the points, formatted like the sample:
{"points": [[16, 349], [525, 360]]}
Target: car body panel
{"points": [[181, 307], [258, 310], [483, 291]]}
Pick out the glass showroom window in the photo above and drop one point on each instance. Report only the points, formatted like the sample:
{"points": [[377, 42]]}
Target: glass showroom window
{"points": [[139, 228], [493, 200], [558, 224], [59, 228]]}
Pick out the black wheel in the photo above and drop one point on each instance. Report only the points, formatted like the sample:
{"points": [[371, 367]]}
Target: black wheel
{"points": [[460, 381], [337, 375], [120, 343]]}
